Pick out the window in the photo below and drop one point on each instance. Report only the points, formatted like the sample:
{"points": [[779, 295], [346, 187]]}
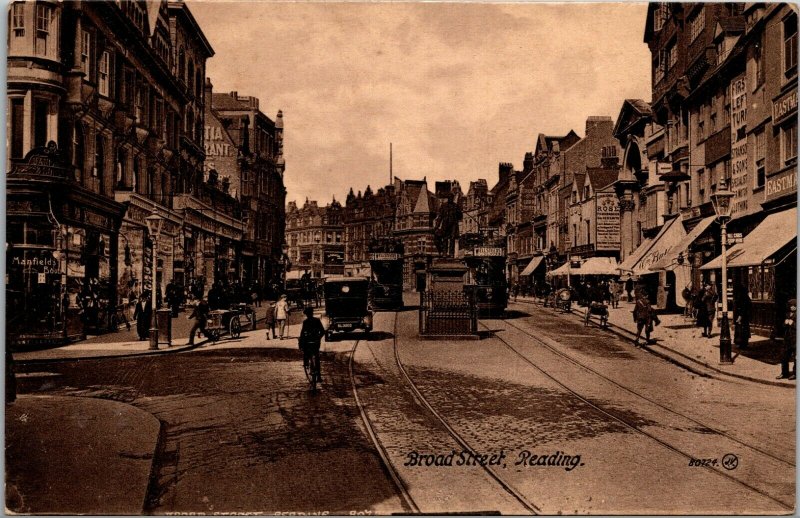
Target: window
{"points": [[43, 15], [790, 45], [139, 102], [41, 112], [701, 129], [99, 159], [789, 143], [701, 186], [18, 19], [713, 123], [660, 16], [17, 124], [759, 75], [672, 55], [103, 73], [79, 151], [121, 166], [722, 51], [86, 45], [761, 154], [658, 67], [696, 24]]}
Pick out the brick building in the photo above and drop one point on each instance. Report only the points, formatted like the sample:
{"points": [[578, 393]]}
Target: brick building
{"points": [[365, 217], [315, 238]]}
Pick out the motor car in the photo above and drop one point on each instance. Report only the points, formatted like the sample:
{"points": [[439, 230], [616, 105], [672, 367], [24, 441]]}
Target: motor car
{"points": [[347, 306]]}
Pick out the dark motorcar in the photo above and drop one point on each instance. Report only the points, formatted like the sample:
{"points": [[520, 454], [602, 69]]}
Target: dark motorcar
{"points": [[346, 305]]}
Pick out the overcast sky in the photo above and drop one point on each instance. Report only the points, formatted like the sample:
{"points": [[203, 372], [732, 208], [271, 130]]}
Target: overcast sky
{"points": [[456, 88]]}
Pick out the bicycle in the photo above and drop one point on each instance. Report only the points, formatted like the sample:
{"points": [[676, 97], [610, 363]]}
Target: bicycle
{"points": [[313, 370]]}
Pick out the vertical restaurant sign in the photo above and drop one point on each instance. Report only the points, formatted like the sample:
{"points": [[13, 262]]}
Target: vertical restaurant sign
{"points": [[221, 152], [740, 179], [607, 219]]}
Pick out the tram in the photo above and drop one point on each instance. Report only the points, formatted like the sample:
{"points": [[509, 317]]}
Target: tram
{"points": [[487, 277], [386, 279]]}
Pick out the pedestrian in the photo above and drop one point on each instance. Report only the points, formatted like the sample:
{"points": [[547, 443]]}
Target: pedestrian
{"points": [[629, 288], [515, 289], [742, 306], [614, 288], [644, 316], [269, 321], [200, 316], [215, 296], [708, 308], [310, 335], [789, 344], [282, 315], [142, 314]]}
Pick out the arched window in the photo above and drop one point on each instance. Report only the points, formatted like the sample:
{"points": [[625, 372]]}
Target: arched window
{"points": [[122, 169], [79, 151], [100, 159]]}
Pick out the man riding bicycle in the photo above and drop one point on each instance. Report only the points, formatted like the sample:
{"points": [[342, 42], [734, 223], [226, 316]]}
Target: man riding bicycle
{"points": [[310, 337]]}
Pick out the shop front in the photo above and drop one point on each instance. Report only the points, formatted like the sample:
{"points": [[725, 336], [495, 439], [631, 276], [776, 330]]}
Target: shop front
{"points": [[766, 263], [61, 246]]}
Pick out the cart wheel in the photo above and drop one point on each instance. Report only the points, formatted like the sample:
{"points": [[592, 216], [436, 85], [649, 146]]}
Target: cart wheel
{"points": [[235, 327], [328, 336], [213, 335]]}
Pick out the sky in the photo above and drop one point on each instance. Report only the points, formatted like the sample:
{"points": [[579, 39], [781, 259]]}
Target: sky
{"points": [[455, 87]]}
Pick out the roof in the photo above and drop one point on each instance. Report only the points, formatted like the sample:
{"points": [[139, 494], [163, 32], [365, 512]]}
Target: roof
{"points": [[180, 5], [632, 111], [578, 179], [226, 101], [545, 142], [600, 177]]}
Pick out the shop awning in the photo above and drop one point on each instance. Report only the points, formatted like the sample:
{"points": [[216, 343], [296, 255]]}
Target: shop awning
{"points": [[626, 266], [666, 240], [591, 266], [670, 261], [763, 242], [535, 262]]}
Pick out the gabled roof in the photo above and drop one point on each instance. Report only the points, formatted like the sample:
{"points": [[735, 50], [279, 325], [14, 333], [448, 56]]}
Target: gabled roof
{"points": [[600, 177], [578, 179], [423, 203], [545, 142], [632, 111], [729, 26]]}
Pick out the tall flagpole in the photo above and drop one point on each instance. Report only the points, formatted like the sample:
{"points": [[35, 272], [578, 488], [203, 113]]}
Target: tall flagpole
{"points": [[391, 178]]}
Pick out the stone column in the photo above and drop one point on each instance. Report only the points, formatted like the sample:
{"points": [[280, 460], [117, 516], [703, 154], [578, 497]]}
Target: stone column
{"points": [[626, 206]]}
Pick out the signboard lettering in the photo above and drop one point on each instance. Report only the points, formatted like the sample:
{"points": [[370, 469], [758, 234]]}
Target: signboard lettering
{"points": [[784, 106], [740, 184], [384, 256], [489, 251], [215, 143], [782, 184], [607, 221]]}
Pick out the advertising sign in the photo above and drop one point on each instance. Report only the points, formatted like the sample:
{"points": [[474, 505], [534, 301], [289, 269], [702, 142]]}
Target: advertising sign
{"points": [[384, 256], [607, 221], [740, 183], [781, 184], [489, 251]]}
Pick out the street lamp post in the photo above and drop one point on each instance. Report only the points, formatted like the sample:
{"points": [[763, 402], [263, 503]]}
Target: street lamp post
{"points": [[154, 222], [722, 206]]}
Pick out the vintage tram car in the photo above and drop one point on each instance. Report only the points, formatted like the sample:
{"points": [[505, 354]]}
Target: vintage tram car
{"points": [[386, 278]]}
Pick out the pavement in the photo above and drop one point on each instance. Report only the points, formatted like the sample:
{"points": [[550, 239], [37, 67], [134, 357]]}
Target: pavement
{"points": [[105, 452], [679, 341]]}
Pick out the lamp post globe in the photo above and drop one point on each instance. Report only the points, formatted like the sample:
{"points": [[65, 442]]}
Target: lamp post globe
{"points": [[154, 223], [721, 199]]}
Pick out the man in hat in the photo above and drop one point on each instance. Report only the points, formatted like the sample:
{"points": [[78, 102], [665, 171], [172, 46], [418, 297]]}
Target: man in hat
{"points": [[282, 315]]}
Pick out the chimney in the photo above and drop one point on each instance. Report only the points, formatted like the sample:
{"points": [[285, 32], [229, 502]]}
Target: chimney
{"points": [[596, 125], [209, 90], [235, 95], [504, 171], [527, 164]]}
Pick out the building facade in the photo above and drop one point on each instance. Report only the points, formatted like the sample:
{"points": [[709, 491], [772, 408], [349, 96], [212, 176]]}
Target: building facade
{"points": [[365, 217], [101, 131], [315, 238]]}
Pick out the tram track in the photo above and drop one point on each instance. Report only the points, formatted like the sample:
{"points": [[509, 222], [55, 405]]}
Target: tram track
{"points": [[633, 427], [648, 399], [402, 486]]}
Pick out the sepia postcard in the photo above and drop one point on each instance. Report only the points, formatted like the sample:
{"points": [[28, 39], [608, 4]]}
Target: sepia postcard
{"points": [[377, 258]]}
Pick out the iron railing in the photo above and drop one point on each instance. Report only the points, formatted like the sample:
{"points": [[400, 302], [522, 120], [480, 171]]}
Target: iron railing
{"points": [[448, 313]]}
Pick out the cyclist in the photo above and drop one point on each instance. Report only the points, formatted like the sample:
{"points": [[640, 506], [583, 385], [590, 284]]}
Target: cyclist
{"points": [[310, 337]]}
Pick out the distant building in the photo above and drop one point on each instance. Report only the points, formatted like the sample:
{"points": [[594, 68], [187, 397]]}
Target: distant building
{"points": [[314, 236], [365, 217], [414, 218]]}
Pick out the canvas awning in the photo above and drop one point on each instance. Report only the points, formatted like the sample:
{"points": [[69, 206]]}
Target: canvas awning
{"points": [[591, 266], [670, 261], [626, 266], [763, 242], [535, 262]]}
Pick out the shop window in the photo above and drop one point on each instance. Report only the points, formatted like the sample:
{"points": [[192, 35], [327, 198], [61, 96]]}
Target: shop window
{"points": [[17, 126], [790, 45], [103, 74], [41, 112], [18, 19]]}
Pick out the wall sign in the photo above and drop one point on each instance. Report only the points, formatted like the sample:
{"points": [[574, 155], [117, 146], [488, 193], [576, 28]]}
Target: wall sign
{"points": [[607, 218], [781, 184], [784, 106], [740, 183]]}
